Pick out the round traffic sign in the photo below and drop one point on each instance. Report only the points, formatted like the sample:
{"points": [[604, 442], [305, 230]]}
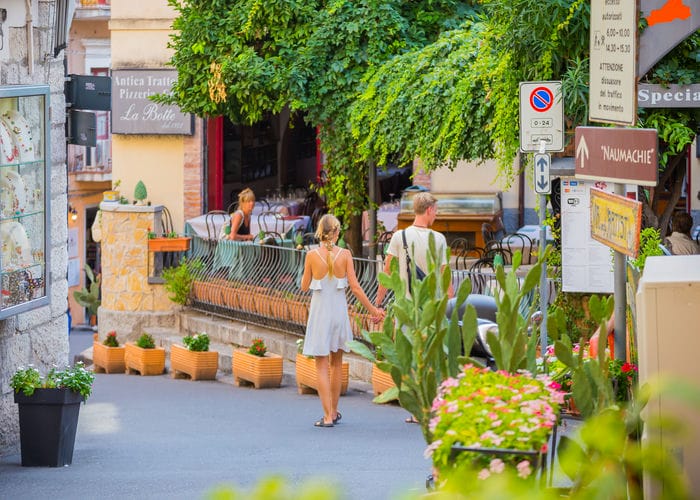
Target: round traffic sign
{"points": [[541, 99]]}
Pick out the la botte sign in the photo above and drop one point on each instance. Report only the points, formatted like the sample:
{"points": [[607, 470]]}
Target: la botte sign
{"points": [[623, 155]]}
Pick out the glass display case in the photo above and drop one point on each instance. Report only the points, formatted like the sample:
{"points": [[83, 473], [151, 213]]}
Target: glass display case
{"points": [[460, 215], [24, 204]]}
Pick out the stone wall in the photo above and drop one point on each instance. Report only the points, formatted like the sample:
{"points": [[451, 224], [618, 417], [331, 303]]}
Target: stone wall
{"points": [[129, 301], [40, 336]]}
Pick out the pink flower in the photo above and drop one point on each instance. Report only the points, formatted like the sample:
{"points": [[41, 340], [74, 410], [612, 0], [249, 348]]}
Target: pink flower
{"points": [[484, 474], [497, 466], [524, 469]]}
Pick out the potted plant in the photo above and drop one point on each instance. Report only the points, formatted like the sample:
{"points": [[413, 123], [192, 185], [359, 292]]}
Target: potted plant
{"points": [[383, 385], [89, 296], [108, 355], [144, 357], [169, 242], [113, 194], [257, 366], [48, 412], [307, 379], [194, 359], [178, 280], [486, 421]]}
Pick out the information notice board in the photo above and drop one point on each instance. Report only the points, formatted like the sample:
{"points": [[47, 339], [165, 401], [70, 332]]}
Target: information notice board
{"points": [[587, 265]]}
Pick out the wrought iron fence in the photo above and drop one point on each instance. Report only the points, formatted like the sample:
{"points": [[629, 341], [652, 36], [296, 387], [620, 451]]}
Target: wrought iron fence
{"points": [[259, 283]]}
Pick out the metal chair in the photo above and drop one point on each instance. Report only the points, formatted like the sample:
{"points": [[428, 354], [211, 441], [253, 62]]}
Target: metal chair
{"points": [[270, 222]]}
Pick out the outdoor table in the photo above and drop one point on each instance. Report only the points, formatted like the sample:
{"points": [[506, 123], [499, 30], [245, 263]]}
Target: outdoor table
{"points": [[209, 225]]}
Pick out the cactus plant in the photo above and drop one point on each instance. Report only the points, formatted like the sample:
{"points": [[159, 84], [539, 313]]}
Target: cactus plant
{"points": [[419, 347], [140, 192]]}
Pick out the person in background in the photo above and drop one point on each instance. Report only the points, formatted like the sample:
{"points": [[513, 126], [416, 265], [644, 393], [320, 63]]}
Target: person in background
{"points": [[240, 219], [328, 270], [417, 241], [680, 242]]}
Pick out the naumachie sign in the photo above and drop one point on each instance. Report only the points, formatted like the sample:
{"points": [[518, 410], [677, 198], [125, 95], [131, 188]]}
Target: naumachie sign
{"points": [[616, 221], [134, 113], [624, 155]]}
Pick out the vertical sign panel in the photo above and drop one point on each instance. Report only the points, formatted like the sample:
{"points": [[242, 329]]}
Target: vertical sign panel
{"points": [[613, 71]]}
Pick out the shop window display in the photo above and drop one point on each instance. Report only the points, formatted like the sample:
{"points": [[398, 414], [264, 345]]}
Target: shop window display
{"points": [[23, 208]]}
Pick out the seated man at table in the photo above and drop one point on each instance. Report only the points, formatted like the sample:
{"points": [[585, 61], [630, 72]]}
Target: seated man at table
{"points": [[239, 228]]}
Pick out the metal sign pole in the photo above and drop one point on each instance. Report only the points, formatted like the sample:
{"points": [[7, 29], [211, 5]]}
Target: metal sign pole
{"points": [[620, 310], [543, 278]]}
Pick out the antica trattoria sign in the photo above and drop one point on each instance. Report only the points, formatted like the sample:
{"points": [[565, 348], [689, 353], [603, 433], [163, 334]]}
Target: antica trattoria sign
{"points": [[134, 113]]}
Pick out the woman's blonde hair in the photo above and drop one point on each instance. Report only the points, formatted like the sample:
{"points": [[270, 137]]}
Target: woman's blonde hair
{"points": [[246, 195], [328, 226]]}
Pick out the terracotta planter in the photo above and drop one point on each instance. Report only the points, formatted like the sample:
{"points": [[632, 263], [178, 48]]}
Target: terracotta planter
{"points": [[298, 311], [107, 359], [381, 381], [181, 244], [229, 297], [307, 380], [278, 308], [262, 372], [248, 301], [198, 365], [358, 322], [144, 361]]}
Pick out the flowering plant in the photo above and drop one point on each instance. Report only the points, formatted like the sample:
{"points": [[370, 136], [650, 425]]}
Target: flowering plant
{"points": [[198, 342], [111, 340], [75, 378], [258, 348], [623, 376], [481, 408]]}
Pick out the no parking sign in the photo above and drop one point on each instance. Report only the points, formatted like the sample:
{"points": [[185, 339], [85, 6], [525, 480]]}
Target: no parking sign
{"points": [[541, 117]]}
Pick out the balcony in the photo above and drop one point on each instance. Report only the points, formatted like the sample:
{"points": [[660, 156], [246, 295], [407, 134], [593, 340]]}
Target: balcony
{"points": [[93, 10]]}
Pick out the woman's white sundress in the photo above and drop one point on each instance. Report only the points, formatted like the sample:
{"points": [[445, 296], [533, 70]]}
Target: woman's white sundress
{"points": [[328, 329]]}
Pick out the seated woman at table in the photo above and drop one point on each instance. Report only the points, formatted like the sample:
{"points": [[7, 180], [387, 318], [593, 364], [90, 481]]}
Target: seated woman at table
{"points": [[240, 219]]}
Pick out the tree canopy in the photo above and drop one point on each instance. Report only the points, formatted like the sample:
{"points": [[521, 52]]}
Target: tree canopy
{"points": [[390, 81]]}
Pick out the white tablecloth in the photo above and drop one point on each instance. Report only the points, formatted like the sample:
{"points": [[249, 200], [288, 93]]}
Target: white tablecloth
{"points": [[209, 226]]}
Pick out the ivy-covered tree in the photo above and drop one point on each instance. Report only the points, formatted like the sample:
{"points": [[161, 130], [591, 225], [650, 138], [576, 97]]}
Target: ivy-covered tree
{"points": [[247, 59], [458, 97]]}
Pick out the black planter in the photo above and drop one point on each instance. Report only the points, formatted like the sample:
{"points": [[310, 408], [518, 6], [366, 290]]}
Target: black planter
{"points": [[48, 420]]}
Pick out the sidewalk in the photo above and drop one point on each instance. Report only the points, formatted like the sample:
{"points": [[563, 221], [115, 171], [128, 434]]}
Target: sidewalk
{"points": [[158, 437]]}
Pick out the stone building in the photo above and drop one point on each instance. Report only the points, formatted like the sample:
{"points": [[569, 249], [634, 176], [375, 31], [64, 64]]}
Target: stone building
{"points": [[31, 54]]}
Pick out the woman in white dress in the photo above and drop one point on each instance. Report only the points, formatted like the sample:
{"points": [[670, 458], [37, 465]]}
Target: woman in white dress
{"points": [[328, 270]]}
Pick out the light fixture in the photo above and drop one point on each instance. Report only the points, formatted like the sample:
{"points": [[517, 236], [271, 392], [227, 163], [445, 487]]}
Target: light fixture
{"points": [[73, 213]]}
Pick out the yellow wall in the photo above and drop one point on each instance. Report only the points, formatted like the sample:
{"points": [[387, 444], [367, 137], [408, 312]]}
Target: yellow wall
{"points": [[139, 38], [158, 162]]}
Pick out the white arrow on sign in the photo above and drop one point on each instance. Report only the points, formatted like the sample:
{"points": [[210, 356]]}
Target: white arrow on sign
{"points": [[582, 151], [542, 183]]}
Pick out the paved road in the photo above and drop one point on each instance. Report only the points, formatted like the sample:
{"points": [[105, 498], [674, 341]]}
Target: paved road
{"points": [[157, 437]]}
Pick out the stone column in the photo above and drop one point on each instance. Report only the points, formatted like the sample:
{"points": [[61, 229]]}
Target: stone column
{"points": [[129, 302]]}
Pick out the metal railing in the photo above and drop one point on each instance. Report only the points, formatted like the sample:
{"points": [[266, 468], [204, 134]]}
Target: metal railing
{"points": [[259, 283]]}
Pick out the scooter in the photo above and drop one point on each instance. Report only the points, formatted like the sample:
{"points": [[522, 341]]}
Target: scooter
{"points": [[486, 309]]}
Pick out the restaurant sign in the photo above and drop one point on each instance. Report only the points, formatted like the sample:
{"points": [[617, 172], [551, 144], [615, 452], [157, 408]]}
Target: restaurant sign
{"points": [[616, 221], [134, 113]]}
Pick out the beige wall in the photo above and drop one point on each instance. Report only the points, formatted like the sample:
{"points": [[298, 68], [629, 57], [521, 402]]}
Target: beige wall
{"points": [[468, 177]]}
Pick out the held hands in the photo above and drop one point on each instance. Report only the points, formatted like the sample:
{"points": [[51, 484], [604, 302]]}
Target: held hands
{"points": [[377, 314]]}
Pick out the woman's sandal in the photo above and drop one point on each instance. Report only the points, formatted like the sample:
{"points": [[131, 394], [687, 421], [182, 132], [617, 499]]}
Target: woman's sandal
{"points": [[321, 423], [337, 418]]}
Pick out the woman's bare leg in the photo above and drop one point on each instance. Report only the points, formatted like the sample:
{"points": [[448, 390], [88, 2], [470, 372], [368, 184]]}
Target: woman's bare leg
{"points": [[336, 381], [324, 388]]}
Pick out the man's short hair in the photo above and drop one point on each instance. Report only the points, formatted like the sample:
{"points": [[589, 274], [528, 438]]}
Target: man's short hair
{"points": [[422, 201], [682, 223]]}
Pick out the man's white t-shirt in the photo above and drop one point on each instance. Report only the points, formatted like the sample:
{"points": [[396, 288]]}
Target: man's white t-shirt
{"points": [[417, 239]]}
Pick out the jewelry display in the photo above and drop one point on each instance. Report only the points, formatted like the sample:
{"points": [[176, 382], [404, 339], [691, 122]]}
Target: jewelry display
{"points": [[23, 214]]}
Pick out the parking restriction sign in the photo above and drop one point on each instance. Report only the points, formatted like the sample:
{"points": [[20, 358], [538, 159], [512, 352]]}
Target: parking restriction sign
{"points": [[541, 117]]}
